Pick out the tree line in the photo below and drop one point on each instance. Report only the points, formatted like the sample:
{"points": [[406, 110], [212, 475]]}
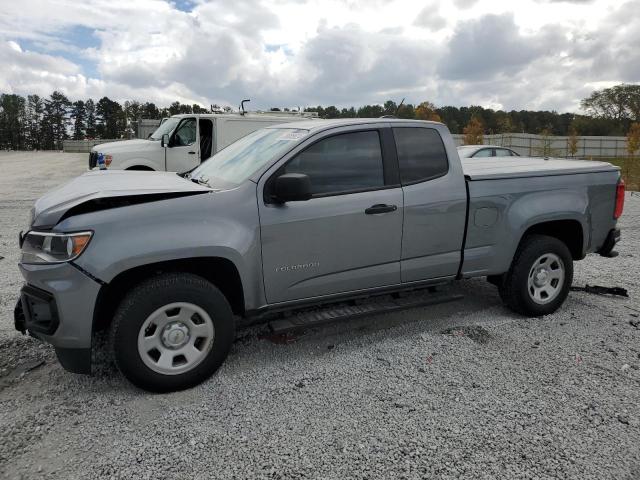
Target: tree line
{"points": [[609, 112], [42, 123]]}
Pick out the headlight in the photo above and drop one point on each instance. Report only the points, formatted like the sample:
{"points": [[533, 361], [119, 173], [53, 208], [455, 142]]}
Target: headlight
{"points": [[103, 161], [46, 247]]}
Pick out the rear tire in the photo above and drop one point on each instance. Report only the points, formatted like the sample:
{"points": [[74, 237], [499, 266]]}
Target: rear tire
{"points": [[540, 276], [172, 332]]}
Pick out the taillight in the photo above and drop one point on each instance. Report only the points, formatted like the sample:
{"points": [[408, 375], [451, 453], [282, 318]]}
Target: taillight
{"points": [[619, 199]]}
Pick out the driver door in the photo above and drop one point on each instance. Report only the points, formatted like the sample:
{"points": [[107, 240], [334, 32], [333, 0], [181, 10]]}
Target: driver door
{"points": [[182, 152], [348, 236]]}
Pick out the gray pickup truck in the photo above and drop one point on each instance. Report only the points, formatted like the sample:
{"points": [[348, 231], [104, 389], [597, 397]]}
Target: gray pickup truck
{"points": [[296, 217]]}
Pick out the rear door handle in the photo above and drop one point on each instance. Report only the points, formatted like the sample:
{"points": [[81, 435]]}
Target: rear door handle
{"points": [[191, 153], [380, 208]]}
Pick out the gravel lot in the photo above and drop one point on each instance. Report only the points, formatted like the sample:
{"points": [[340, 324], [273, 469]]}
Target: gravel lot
{"points": [[462, 390]]}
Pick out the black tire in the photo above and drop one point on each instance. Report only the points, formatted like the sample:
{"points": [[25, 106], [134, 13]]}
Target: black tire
{"points": [[514, 289], [153, 294]]}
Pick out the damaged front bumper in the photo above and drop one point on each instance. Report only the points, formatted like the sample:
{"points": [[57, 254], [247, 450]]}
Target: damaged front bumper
{"points": [[56, 306]]}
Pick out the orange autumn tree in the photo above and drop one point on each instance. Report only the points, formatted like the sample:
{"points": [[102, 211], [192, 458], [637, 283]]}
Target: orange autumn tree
{"points": [[633, 145], [427, 111], [572, 141], [633, 139], [473, 132]]}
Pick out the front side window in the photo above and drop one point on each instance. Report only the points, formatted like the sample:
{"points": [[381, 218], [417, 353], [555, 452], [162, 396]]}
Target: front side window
{"points": [[340, 164], [186, 133], [421, 154], [485, 152]]}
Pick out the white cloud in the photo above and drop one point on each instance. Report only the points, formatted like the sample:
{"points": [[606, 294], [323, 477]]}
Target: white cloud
{"points": [[429, 17], [529, 54]]}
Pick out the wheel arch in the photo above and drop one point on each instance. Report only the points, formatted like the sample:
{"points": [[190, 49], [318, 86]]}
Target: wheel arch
{"points": [[220, 271], [140, 168], [137, 163], [568, 231]]}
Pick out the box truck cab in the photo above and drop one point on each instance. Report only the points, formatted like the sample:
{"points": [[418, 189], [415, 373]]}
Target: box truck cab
{"points": [[182, 142]]}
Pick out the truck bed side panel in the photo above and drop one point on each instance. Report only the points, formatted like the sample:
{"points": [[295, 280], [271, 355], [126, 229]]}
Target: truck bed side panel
{"points": [[501, 211]]}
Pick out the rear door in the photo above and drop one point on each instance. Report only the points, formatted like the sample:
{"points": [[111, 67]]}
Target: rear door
{"points": [[335, 242], [502, 152], [434, 204]]}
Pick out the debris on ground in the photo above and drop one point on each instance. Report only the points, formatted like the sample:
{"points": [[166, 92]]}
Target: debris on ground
{"points": [[475, 332], [600, 290]]}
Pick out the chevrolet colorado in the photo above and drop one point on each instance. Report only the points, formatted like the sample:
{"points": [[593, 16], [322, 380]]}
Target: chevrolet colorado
{"points": [[291, 217]]}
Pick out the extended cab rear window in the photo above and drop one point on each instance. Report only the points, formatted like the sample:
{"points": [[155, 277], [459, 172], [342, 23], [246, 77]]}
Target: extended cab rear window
{"points": [[421, 154]]}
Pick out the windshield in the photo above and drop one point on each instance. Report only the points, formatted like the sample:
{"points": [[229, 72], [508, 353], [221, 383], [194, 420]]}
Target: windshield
{"points": [[237, 162], [166, 127]]}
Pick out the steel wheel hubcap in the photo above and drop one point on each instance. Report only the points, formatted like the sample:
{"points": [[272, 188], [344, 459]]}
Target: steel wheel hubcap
{"points": [[546, 278], [175, 338], [175, 335]]}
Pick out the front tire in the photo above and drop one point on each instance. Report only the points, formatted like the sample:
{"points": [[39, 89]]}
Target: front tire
{"points": [[540, 276], [172, 332]]}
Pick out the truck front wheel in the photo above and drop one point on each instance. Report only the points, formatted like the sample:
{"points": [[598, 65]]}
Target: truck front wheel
{"points": [[171, 332], [540, 276]]}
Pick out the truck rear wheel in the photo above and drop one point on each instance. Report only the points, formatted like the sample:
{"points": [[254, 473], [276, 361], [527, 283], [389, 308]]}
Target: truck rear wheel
{"points": [[540, 276], [171, 332]]}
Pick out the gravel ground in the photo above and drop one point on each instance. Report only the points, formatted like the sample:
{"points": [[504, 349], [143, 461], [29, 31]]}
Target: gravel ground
{"points": [[461, 390]]}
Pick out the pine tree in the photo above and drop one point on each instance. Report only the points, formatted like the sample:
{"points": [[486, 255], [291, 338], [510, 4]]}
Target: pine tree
{"points": [[90, 112], [35, 112], [56, 119], [110, 119], [78, 114], [12, 121]]}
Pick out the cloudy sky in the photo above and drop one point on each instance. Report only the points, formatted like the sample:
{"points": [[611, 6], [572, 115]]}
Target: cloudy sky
{"points": [[518, 54]]}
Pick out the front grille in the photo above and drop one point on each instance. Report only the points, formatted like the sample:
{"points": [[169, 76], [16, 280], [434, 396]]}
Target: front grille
{"points": [[39, 309], [93, 159]]}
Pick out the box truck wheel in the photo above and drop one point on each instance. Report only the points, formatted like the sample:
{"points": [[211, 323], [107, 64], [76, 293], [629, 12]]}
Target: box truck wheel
{"points": [[171, 332]]}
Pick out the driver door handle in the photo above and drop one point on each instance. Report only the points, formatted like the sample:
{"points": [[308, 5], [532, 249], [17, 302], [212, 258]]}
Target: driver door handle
{"points": [[380, 208], [191, 153]]}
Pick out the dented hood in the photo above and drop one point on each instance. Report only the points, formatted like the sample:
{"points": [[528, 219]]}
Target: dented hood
{"points": [[120, 185]]}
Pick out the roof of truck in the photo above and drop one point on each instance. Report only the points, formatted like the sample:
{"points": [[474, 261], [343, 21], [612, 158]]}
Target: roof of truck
{"points": [[321, 124], [491, 168], [249, 115]]}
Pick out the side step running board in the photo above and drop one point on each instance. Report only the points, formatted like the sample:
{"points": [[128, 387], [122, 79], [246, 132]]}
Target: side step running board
{"points": [[347, 312]]}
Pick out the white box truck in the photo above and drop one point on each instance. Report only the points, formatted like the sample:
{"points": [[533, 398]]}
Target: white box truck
{"points": [[182, 142]]}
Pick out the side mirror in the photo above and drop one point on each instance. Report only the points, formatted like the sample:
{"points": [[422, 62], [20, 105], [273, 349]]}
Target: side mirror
{"points": [[292, 187], [164, 142]]}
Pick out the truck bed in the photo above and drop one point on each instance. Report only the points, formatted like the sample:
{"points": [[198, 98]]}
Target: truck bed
{"points": [[518, 167], [509, 194]]}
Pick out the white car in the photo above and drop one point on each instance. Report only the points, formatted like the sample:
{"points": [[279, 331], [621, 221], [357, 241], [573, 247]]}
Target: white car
{"points": [[182, 142], [469, 151]]}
